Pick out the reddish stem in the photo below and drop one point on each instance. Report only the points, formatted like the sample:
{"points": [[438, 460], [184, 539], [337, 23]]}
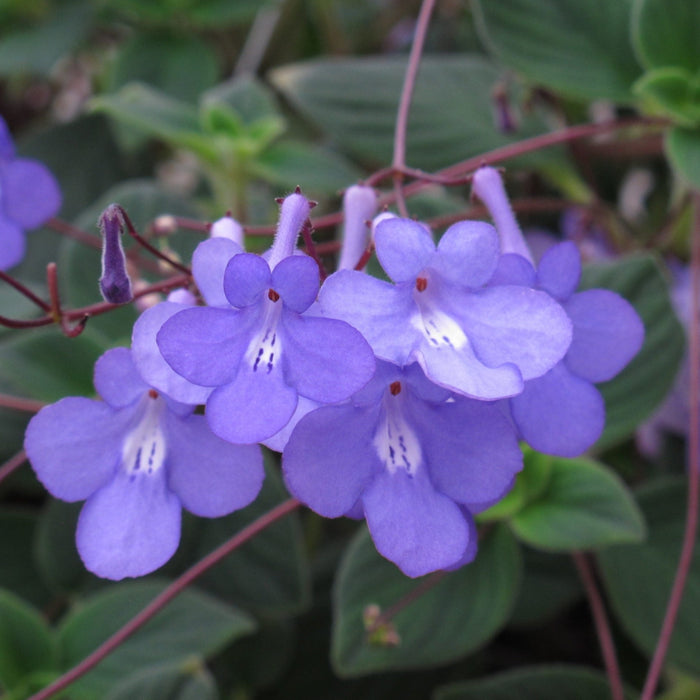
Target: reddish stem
{"points": [[691, 518], [70, 231], [12, 465], [605, 639], [20, 404], [163, 598], [25, 291]]}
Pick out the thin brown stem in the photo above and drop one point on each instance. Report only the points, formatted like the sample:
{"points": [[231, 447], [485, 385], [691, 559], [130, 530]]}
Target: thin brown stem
{"points": [[12, 465], [18, 403], [70, 231], [24, 291], [163, 598], [600, 619], [691, 518]]}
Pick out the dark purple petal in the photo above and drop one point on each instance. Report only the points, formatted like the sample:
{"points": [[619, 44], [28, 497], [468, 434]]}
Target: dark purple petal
{"points": [[608, 333], [413, 525], [330, 458], [513, 269], [115, 284], [206, 345], [514, 324], [559, 413], [470, 447], [404, 248], [209, 262], [379, 310], [75, 446], [246, 277], [559, 270], [211, 477], [12, 244], [150, 363], [467, 253], [130, 527], [7, 147], [252, 408], [117, 379], [324, 359], [296, 279], [29, 192]]}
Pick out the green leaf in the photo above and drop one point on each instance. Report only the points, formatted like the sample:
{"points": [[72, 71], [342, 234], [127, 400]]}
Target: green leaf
{"points": [[544, 683], [639, 577], [665, 33], [247, 96], [26, 644], [268, 575], [36, 50], [355, 100], [467, 606], [674, 91], [17, 570], [182, 66], [194, 624], [186, 681], [584, 506], [581, 49], [643, 384], [314, 168], [683, 150], [154, 113]]}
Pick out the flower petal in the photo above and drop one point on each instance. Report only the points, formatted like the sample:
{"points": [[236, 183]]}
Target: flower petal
{"points": [[379, 310], [608, 333], [130, 527], [151, 364], [324, 359], [404, 248], [559, 413], [413, 525], [514, 324], [74, 446], [278, 441], [559, 271], [117, 379], [246, 277], [513, 269], [7, 147], [253, 407], [467, 253], [209, 262], [30, 192], [12, 244], [205, 345], [211, 477], [330, 458], [297, 281], [470, 447]]}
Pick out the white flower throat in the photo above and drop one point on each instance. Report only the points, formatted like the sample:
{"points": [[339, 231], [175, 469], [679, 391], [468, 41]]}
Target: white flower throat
{"points": [[145, 447], [395, 441], [264, 351], [438, 328]]}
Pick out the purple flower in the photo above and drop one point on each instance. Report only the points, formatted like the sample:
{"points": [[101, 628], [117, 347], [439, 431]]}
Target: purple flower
{"points": [[561, 412], [138, 458], [29, 195], [480, 342], [261, 352], [416, 462]]}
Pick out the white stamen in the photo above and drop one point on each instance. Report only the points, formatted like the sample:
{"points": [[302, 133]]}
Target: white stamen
{"points": [[145, 447]]}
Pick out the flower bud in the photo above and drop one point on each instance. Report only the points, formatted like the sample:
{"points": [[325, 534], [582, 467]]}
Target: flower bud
{"points": [[359, 206], [115, 284]]}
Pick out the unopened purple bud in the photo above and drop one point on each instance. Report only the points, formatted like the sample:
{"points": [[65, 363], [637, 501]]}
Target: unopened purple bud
{"points": [[384, 216], [294, 211], [505, 119], [115, 284], [227, 227], [487, 185], [359, 206]]}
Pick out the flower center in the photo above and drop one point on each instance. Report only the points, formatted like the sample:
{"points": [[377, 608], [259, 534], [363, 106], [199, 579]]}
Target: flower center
{"points": [[395, 441], [264, 352], [145, 447], [439, 329]]}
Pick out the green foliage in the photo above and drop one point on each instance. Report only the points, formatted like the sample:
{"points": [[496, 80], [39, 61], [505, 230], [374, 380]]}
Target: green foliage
{"points": [[638, 577], [580, 49], [683, 150], [468, 606], [185, 681], [634, 393]]}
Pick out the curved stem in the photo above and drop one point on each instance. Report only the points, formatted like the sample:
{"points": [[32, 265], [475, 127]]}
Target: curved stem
{"points": [[162, 599], [607, 646], [12, 465], [691, 518], [19, 403]]}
